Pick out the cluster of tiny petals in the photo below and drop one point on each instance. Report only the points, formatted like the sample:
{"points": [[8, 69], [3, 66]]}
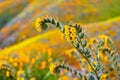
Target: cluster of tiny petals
{"points": [[38, 24], [70, 33]]}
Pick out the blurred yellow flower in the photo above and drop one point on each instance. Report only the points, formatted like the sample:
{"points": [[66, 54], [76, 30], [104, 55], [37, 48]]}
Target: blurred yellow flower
{"points": [[43, 65], [75, 78], [67, 33], [20, 72], [20, 78], [52, 67], [67, 38], [89, 68], [7, 73], [32, 61], [66, 27], [104, 77], [15, 64], [66, 30], [49, 52], [68, 53], [64, 78]]}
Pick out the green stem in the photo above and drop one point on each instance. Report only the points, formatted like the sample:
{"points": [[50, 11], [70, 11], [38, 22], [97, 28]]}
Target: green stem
{"points": [[87, 59], [89, 64]]}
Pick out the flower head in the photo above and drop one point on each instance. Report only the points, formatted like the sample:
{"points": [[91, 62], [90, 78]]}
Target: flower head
{"points": [[70, 33], [38, 24], [72, 29]]}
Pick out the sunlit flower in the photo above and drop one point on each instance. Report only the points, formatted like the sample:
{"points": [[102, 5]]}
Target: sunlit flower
{"points": [[38, 24], [67, 38], [66, 27], [73, 35], [72, 29], [20, 78], [89, 68], [68, 53], [75, 78], [49, 52], [67, 33], [15, 64], [83, 60], [103, 57], [64, 78]]}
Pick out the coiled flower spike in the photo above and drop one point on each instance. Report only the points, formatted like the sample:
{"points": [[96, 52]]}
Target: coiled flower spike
{"points": [[75, 35], [55, 69], [41, 24]]}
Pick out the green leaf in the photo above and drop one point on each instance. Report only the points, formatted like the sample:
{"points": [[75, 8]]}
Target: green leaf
{"points": [[91, 77], [87, 51], [81, 35], [53, 21], [77, 45], [84, 43]]}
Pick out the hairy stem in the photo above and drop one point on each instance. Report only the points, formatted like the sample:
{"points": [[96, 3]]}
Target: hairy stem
{"points": [[86, 58]]}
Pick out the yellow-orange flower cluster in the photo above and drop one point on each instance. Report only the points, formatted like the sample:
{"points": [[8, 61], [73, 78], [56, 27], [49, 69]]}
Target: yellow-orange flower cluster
{"points": [[70, 33]]}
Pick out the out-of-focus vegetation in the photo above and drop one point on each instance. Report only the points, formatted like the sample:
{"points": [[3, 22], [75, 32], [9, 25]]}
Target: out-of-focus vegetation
{"points": [[26, 52]]}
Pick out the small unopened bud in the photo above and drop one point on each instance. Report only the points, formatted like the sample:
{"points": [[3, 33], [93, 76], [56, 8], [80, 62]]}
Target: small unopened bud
{"points": [[77, 45], [87, 51]]}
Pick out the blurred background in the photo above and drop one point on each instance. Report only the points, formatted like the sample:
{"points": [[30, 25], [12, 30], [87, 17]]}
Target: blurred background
{"points": [[19, 39]]}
